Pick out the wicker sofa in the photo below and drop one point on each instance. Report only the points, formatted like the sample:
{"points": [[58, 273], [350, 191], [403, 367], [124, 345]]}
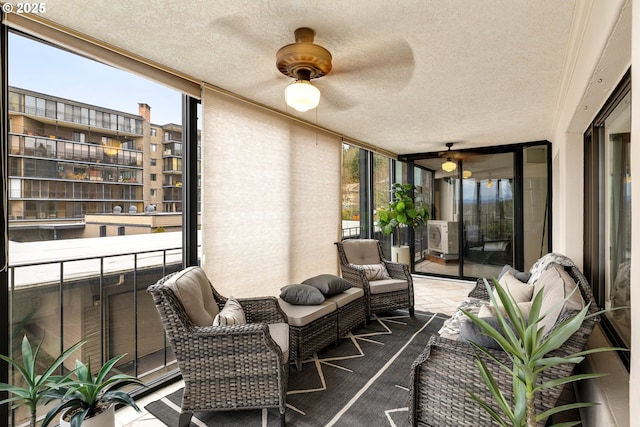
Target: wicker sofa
{"points": [[442, 375]]}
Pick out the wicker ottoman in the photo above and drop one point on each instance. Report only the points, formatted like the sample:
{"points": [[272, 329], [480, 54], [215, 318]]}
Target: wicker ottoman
{"points": [[352, 310], [311, 328]]}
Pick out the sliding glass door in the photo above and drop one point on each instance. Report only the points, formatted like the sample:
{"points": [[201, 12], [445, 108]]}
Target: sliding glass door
{"points": [[491, 210], [487, 214]]}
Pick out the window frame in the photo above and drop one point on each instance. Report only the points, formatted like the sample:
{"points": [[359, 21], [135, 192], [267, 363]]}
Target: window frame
{"points": [[594, 255]]}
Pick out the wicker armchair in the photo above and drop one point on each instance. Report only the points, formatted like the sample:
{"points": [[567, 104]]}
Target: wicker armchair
{"points": [[446, 369], [224, 367], [381, 295]]}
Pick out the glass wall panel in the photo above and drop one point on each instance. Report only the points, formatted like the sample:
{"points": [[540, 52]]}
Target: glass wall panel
{"points": [[535, 204], [487, 221], [350, 191], [70, 282], [617, 192], [381, 196]]}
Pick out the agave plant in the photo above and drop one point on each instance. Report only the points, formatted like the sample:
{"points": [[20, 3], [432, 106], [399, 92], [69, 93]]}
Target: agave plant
{"points": [[527, 347], [36, 386], [87, 395]]}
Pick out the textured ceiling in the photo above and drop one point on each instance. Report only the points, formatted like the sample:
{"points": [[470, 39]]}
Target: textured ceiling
{"points": [[407, 76]]}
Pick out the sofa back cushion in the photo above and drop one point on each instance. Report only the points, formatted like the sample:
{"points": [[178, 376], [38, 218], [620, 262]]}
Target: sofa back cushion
{"points": [[193, 288], [361, 251], [556, 285]]}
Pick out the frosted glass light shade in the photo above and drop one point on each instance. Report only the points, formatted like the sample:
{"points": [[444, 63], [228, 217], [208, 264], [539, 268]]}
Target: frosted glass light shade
{"points": [[449, 166], [466, 174], [302, 95]]}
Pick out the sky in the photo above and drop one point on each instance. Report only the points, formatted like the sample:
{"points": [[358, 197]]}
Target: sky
{"points": [[41, 68]]}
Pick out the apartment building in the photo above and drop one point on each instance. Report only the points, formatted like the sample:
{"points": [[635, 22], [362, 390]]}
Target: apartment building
{"points": [[69, 159]]}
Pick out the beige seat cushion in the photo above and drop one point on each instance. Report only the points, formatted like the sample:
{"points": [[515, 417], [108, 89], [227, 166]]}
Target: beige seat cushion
{"points": [[302, 315], [555, 285], [388, 285], [280, 334], [193, 288], [345, 297], [361, 251]]}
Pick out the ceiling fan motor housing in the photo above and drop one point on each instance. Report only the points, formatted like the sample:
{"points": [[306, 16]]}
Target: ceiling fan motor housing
{"points": [[303, 57]]}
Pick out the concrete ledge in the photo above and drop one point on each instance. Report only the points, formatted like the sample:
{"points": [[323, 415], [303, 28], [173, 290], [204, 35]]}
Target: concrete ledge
{"points": [[611, 391]]}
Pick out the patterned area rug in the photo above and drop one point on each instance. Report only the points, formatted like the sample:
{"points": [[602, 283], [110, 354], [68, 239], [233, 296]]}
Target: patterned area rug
{"points": [[362, 382]]}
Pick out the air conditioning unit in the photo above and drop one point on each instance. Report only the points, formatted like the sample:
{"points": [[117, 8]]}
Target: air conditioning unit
{"points": [[443, 237]]}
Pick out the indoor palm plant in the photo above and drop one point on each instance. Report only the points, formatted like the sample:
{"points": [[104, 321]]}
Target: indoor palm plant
{"points": [[528, 348], [34, 386], [403, 211], [85, 396]]}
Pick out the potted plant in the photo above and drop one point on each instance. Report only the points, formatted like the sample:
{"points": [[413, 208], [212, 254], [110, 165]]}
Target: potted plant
{"points": [[89, 400], [528, 348], [403, 212], [34, 386]]}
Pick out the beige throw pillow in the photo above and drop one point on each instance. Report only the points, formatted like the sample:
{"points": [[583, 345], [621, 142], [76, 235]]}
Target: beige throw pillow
{"points": [[231, 314], [373, 271], [488, 310], [519, 292], [556, 285]]}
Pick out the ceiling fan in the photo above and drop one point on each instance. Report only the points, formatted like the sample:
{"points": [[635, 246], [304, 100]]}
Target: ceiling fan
{"points": [[303, 60], [453, 156], [363, 60]]}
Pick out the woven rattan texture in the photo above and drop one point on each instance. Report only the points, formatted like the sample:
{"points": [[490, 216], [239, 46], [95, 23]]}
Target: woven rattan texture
{"points": [[230, 367], [444, 373], [305, 340], [383, 302]]}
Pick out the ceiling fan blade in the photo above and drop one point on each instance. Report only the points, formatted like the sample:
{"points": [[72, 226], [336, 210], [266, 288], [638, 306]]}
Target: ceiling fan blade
{"points": [[237, 29], [371, 65], [338, 99]]}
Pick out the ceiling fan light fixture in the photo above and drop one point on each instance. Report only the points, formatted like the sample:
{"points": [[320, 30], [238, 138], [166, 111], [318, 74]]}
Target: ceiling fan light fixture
{"points": [[449, 165], [489, 183], [302, 95], [466, 174]]}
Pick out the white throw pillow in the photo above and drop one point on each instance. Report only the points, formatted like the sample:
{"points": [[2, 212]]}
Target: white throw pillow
{"points": [[519, 292], [230, 315]]}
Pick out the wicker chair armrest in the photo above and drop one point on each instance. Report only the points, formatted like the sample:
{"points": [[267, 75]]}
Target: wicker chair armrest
{"points": [[354, 276], [250, 337], [262, 310], [397, 270], [479, 291], [443, 374]]}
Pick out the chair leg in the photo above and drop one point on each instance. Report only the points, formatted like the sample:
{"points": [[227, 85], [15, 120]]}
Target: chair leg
{"points": [[185, 419], [411, 312], [283, 421]]}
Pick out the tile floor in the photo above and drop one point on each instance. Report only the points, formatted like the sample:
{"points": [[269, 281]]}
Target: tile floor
{"points": [[431, 294]]}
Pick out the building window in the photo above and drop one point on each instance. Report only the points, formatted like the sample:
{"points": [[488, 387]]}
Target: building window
{"points": [[79, 136], [153, 162], [153, 148], [154, 192], [608, 213], [154, 132], [154, 177]]}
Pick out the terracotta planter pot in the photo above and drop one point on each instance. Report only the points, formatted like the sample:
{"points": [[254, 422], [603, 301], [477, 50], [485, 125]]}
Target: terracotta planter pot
{"points": [[104, 419]]}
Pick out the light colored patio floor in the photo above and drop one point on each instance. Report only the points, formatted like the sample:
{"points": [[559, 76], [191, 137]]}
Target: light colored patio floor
{"points": [[435, 295]]}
